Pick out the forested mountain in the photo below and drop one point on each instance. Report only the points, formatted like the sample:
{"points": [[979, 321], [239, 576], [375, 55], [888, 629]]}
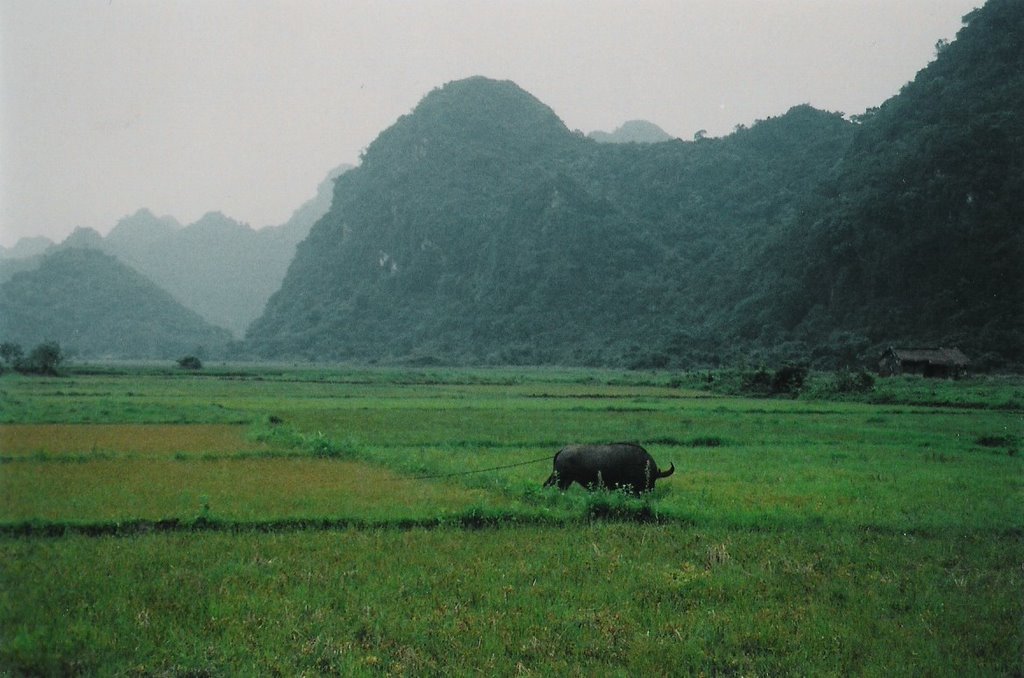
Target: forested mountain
{"points": [[302, 219], [95, 306], [919, 234], [480, 229], [25, 255]]}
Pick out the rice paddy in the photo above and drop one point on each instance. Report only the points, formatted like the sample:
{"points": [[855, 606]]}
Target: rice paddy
{"points": [[376, 522]]}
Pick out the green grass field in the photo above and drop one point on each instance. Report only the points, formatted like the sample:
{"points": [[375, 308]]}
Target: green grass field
{"points": [[391, 521]]}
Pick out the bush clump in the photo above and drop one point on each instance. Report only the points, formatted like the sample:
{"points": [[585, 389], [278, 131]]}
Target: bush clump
{"points": [[44, 359], [787, 380], [849, 381]]}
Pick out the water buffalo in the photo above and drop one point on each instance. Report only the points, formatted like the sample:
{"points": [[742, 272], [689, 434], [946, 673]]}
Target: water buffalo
{"points": [[618, 465]]}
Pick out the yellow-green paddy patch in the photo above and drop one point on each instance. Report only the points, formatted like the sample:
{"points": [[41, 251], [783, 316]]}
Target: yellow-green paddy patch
{"points": [[153, 439], [233, 489]]}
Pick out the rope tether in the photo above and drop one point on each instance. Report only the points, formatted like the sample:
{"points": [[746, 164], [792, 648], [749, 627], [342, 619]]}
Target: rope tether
{"points": [[482, 470]]}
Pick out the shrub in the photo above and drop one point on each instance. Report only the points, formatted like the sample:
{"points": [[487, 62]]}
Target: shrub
{"points": [[848, 381], [44, 359], [787, 380], [190, 362], [759, 382]]}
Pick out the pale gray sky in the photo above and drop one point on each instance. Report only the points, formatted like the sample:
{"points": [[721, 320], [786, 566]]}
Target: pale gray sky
{"points": [[242, 106]]}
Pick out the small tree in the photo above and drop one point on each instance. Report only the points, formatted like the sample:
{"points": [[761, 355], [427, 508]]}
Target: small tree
{"points": [[11, 353], [44, 359]]}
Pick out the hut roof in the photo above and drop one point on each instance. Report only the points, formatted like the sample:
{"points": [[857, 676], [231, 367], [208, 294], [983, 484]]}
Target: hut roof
{"points": [[933, 356]]}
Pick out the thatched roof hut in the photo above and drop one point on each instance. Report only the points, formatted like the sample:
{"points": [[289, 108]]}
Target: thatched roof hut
{"points": [[929, 362]]}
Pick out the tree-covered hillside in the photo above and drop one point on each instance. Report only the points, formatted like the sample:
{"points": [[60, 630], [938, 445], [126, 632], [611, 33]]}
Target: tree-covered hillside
{"points": [[95, 306], [480, 229], [918, 237]]}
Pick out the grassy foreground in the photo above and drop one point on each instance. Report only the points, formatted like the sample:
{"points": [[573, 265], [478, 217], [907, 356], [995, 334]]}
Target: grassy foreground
{"points": [[259, 521], [596, 599]]}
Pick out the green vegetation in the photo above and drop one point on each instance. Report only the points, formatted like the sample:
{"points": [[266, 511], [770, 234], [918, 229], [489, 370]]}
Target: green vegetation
{"points": [[601, 599], [363, 522]]}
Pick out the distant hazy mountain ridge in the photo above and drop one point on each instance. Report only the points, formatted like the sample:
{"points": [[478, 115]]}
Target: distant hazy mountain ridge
{"points": [[220, 268], [95, 306], [632, 132], [26, 247]]}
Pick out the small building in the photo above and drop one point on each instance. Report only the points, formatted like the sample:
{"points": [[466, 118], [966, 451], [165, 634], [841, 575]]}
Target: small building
{"points": [[944, 363]]}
